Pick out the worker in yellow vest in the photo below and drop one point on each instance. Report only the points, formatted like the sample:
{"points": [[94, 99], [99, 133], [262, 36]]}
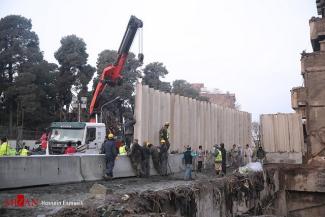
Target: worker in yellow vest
{"points": [[217, 160], [122, 149], [4, 148], [24, 151]]}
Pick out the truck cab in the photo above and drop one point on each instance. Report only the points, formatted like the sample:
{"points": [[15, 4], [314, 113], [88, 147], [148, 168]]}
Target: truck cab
{"points": [[91, 135]]}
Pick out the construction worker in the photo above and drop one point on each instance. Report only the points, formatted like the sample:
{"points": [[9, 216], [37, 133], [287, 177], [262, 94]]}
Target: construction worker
{"points": [[217, 159], [163, 157], [188, 158], [4, 148], [109, 149], [248, 154], [70, 149], [129, 129], [81, 148], [24, 151], [260, 154], [154, 151], [200, 158], [224, 158], [234, 156], [164, 134], [135, 155], [146, 159], [122, 150]]}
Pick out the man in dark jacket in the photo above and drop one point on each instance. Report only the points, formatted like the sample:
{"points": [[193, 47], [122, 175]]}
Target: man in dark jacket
{"points": [[109, 149], [154, 151], [146, 159], [224, 160], [188, 163], [163, 156], [135, 155]]}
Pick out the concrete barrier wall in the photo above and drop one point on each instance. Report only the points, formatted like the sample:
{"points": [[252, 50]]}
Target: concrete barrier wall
{"points": [[18, 172], [282, 137], [192, 122], [282, 132]]}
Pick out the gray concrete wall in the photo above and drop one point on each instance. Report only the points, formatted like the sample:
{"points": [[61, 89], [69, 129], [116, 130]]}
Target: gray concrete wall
{"points": [[282, 137], [192, 122], [54, 169]]}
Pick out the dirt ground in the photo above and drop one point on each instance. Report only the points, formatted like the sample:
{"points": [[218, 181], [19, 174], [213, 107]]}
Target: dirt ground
{"points": [[117, 190]]}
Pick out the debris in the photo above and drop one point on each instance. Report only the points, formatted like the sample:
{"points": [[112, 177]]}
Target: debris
{"points": [[251, 167], [98, 191], [125, 197]]}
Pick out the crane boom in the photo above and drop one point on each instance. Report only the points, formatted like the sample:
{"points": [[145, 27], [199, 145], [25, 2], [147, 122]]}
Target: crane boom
{"points": [[111, 75]]}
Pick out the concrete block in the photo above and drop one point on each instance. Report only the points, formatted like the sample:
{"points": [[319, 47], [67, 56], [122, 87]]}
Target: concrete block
{"points": [[284, 157]]}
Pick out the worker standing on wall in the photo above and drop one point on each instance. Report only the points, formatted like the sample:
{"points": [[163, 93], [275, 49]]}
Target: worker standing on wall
{"points": [[146, 159], [109, 149], [164, 134], [163, 156], [135, 155]]}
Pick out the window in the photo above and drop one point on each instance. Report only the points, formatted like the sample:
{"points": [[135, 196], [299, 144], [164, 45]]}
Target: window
{"points": [[91, 134]]}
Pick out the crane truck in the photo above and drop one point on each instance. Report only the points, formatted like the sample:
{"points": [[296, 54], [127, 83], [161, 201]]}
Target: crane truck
{"points": [[92, 134]]}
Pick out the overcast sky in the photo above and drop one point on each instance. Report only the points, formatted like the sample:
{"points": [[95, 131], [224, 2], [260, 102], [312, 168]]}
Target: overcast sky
{"points": [[247, 47]]}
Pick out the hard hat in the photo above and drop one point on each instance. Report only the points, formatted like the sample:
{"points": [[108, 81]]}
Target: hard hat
{"points": [[162, 141], [166, 123], [110, 135]]}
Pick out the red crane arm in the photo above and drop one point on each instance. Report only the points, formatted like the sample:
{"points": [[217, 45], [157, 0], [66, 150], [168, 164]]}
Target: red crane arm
{"points": [[112, 73]]}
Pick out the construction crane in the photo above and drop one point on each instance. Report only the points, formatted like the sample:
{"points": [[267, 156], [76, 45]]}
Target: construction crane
{"points": [[111, 75], [91, 134]]}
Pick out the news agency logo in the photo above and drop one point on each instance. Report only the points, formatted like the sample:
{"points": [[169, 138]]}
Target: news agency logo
{"points": [[21, 201]]}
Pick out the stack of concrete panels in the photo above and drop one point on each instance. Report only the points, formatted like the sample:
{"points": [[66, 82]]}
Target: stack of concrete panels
{"points": [[192, 122], [282, 137]]}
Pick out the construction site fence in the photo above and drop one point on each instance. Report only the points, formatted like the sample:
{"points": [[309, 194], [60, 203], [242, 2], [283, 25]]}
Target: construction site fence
{"points": [[192, 122]]}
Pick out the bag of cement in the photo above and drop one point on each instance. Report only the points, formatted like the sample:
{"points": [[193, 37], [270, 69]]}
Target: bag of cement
{"points": [[251, 168]]}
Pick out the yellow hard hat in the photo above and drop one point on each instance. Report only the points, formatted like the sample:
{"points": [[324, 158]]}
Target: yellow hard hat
{"points": [[166, 123], [110, 135], [162, 141]]}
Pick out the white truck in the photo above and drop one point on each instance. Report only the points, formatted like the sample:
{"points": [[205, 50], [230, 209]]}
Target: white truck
{"points": [[91, 135]]}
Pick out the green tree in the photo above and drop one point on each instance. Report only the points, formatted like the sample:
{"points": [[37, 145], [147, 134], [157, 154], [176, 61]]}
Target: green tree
{"points": [[153, 72], [183, 88], [19, 49], [125, 91], [74, 72]]}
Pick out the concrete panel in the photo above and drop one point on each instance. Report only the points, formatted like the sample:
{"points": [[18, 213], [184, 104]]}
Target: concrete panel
{"points": [[192, 122], [145, 114], [38, 170], [305, 179], [138, 112], [284, 157]]}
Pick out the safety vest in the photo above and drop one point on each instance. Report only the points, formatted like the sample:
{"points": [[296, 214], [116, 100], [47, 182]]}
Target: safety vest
{"points": [[218, 158], [4, 149], [23, 152], [122, 150]]}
